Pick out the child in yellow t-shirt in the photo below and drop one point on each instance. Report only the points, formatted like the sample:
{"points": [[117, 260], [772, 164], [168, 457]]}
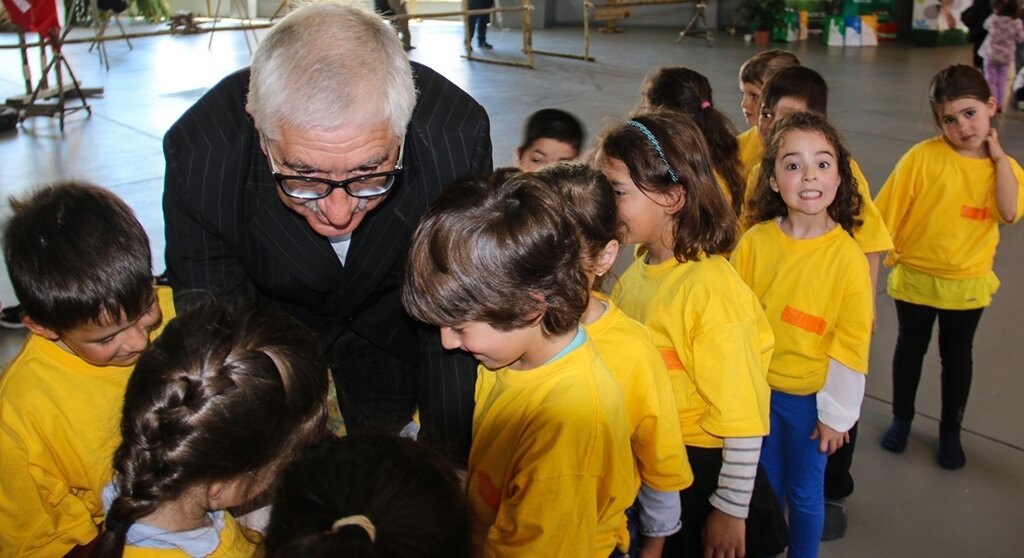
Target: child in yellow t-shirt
{"points": [[625, 345], [80, 264], [216, 406], [754, 74], [705, 322], [802, 89], [498, 268], [944, 203], [812, 279], [689, 92]]}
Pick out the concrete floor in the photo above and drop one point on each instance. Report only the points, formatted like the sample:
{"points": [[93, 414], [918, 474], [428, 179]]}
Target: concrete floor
{"points": [[904, 505]]}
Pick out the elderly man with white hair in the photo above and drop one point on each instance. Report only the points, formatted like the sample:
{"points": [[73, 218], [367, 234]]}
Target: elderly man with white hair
{"points": [[299, 181]]}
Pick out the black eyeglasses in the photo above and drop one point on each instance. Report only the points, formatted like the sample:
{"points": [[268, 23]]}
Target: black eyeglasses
{"points": [[364, 186]]}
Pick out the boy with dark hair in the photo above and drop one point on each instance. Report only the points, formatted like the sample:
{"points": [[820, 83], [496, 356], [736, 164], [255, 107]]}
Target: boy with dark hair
{"points": [[803, 89], [551, 136], [80, 264]]}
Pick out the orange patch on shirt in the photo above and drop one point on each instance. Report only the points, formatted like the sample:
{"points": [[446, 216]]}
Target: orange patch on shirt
{"points": [[672, 361], [804, 321], [490, 493], [976, 213]]}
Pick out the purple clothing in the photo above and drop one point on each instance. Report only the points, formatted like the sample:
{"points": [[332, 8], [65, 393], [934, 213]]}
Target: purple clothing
{"points": [[1004, 33], [996, 74]]}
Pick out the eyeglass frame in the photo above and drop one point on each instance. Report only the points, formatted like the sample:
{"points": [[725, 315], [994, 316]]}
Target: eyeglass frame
{"points": [[394, 173]]}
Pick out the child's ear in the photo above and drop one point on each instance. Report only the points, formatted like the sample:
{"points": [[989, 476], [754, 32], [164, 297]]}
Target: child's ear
{"points": [[675, 201], [772, 184], [606, 258], [517, 154], [38, 329], [992, 106]]}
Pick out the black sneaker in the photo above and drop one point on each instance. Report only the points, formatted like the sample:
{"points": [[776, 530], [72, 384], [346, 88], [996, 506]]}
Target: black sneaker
{"points": [[10, 317], [487, 46], [835, 519]]}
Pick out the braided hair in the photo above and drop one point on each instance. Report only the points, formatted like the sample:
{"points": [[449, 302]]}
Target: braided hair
{"points": [[225, 393]]}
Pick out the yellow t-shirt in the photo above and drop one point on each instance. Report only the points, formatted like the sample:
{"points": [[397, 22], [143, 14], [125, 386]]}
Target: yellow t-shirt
{"points": [[710, 330], [817, 296], [941, 209], [59, 426], [235, 542], [549, 470], [625, 346], [872, 236], [751, 150]]}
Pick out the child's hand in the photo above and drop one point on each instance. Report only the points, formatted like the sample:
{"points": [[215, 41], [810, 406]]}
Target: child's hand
{"points": [[724, 536], [652, 547], [995, 149], [831, 440]]}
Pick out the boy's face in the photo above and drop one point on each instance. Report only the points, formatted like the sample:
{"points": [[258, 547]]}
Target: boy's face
{"points": [[495, 348], [769, 115], [544, 152], [108, 343], [751, 102]]}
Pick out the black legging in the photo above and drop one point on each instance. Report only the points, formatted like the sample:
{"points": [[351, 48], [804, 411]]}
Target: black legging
{"points": [[956, 340]]}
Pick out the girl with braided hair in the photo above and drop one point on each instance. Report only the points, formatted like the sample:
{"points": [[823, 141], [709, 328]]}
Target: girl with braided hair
{"points": [[214, 409]]}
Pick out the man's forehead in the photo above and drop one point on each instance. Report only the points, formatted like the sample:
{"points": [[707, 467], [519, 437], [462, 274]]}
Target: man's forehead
{"points": [[339, 148]]}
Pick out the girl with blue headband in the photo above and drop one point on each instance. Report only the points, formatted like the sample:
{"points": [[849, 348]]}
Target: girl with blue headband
{"points": [[706, 323]]}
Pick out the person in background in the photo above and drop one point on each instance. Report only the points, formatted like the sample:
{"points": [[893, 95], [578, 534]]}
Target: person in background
{"points": [[478, 23], [550, 136]]}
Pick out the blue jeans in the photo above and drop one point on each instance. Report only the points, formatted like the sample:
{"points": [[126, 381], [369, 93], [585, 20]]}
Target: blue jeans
{"points": [[796, 469], [633, 525]]}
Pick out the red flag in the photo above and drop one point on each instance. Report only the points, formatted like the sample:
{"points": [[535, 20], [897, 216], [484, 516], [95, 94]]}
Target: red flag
{"points": [[38, 16]]}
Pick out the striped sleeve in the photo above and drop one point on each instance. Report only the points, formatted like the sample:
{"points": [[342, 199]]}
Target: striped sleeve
{"points": [[736, 479]]}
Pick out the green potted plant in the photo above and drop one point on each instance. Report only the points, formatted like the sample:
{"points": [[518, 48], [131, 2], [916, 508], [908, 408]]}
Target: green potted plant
{"points": [[762, 16]]}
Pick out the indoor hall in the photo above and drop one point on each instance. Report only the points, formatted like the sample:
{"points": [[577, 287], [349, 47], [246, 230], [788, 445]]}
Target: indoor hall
{"points": [[904, 505]]}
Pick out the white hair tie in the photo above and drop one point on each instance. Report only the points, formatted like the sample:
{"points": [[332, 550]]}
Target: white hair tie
{"points": [[359, 521]]}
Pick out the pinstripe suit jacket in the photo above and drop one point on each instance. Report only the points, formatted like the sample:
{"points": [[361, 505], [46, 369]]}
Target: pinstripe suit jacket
{"points": [[227, 231]]}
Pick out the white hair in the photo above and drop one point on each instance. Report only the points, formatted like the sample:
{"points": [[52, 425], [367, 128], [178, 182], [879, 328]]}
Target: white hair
{"points": [[327, 65]]}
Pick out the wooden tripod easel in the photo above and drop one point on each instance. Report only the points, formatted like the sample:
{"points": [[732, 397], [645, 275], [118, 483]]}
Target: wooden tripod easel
{"points": [[57, 62]]}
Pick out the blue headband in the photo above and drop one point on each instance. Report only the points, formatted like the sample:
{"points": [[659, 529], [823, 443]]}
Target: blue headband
{"points": [[657, 147]]}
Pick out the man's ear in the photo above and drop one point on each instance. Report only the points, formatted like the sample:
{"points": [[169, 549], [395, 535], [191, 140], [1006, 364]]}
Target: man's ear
{"points": [[38, 329], [517, 154]]}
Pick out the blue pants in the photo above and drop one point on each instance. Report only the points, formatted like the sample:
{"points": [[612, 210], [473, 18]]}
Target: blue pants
{"points": [[796, 469]]}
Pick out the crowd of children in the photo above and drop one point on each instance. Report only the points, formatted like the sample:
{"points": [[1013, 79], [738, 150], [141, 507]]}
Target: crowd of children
{"points": [[707, 406]]}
